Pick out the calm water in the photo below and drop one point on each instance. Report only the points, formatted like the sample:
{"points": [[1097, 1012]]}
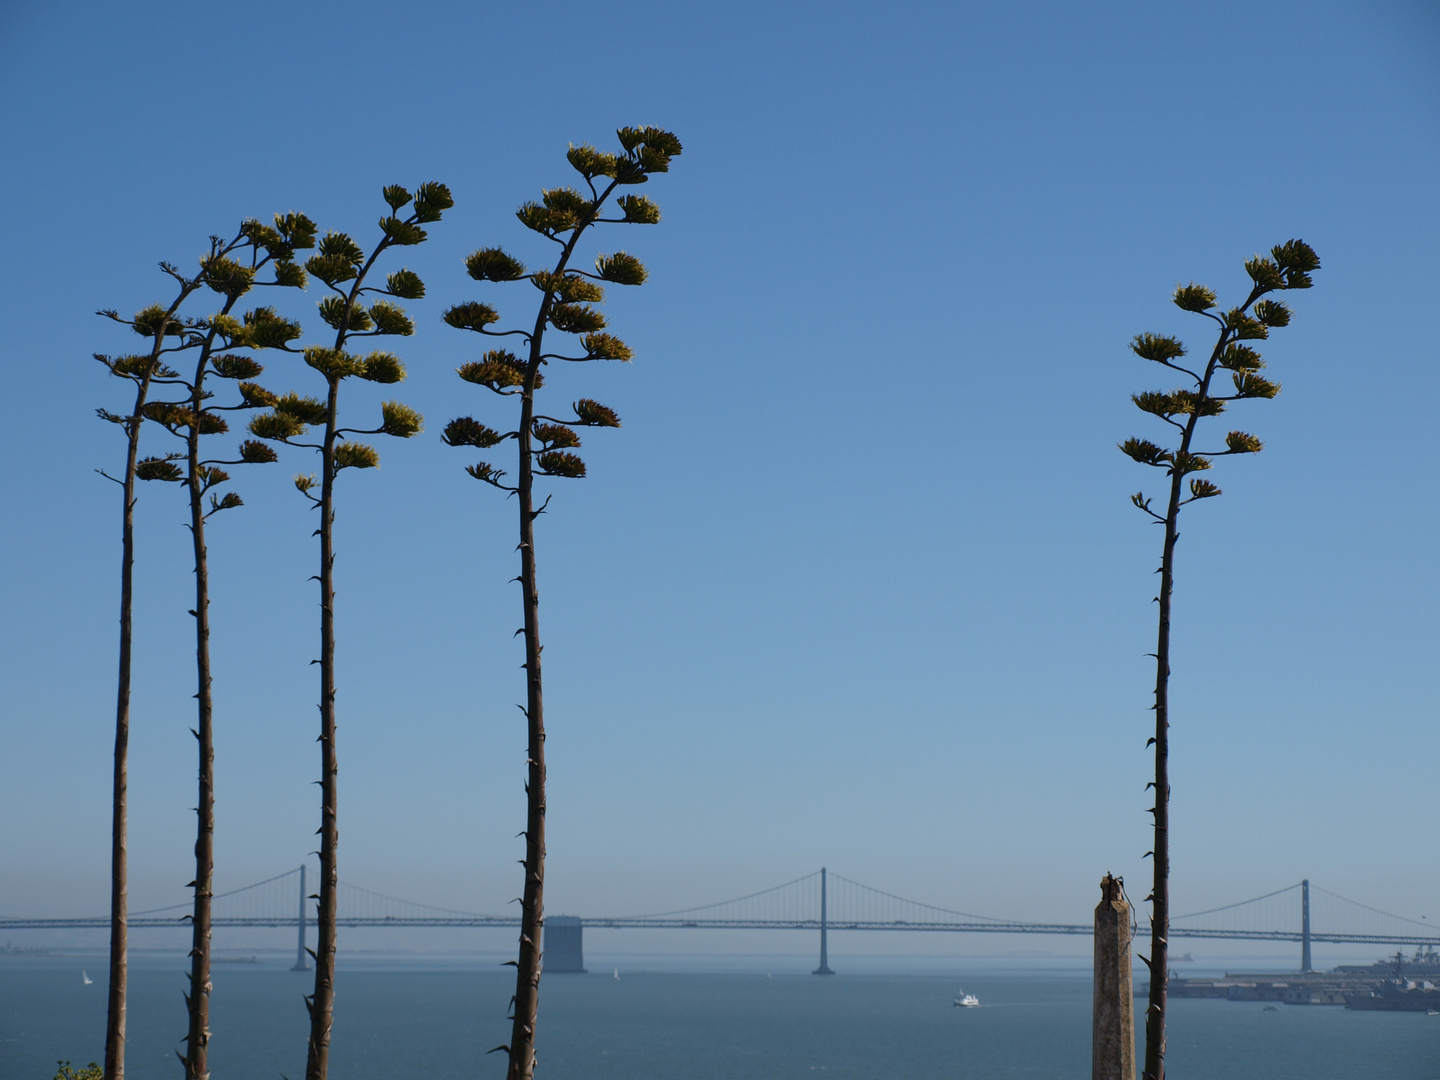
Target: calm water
{"points": [[399, 1020]]}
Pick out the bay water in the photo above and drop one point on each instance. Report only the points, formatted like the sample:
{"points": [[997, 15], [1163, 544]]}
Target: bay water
{"points": [[427, 1018]]}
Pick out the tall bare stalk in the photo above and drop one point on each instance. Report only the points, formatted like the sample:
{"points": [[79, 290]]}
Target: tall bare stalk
{"points": [[562, 216], [158, 323], [344, 268], [189, 419], [1288, 267]]}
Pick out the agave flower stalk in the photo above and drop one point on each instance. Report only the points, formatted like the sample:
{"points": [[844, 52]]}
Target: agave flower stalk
{"points": [[344, 268], [1288, 267], [189, 419], [563, 215], [159, 324]]}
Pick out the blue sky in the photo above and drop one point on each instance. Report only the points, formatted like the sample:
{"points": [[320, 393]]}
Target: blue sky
{"points": [[858, 583]]}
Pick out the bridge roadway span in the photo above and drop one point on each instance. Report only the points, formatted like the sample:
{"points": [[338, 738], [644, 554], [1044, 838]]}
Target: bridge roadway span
{"points": [[654, 923]]}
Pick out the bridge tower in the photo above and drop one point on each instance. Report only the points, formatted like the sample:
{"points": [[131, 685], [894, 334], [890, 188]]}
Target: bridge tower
{"points": [[300, 964], [564, 943], [824, 968], [1305, 964]]}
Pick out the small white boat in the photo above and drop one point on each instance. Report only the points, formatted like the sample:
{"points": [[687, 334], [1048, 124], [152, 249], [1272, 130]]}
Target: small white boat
{"points": [[966, 1001], [617, 974], [88, 980]]}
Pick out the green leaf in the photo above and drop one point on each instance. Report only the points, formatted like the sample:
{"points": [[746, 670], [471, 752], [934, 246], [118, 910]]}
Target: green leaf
{"points": [[275, 425], [1244, 327], [639, 210], [297, 229], [1194, 297], [556, 436], [569, 288], [1190, 402], [1241, 358], [405, 284], [382, 367], [131, 367], [1145, 452], [482, 471], [472, 316], [1264, 273], [497, 370], [538, 219], [589, 162], [390, 319], [228, 366], [630, 137], [1238, 442], [341, 314], [467, 431], [431, 199], [226, 326], [256, 397], [339, 259], [1157, 347], [621, 268], [161, 412], [353, 455], [1272, 313], [576, 318], [266, 330], [493, 264], [559, 463], [661, 140], [307, 410], [593, 414], [153, 468], [1298, 260], [225, 276], [396, 196], [147, 322], [334, 364], [331, 269], [400, 420], [1156, 403], [403, 233], [1250, 385], [340, 246], [254, 452], [290, 275], [568, 202], [606, 347]]}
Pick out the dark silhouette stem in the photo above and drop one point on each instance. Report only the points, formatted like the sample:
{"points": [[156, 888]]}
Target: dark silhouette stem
{"points": [[1159, 961], [119, 861], [322, 1002], [197, 1040], [532, 916]]}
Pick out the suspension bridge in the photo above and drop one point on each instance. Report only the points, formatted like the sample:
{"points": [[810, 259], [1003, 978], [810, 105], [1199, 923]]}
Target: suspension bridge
{"points": [[821, 901]]}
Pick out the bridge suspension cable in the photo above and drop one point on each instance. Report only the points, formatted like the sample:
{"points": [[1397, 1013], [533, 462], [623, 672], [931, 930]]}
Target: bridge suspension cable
{"points": [[765, 898], [187, 905]]}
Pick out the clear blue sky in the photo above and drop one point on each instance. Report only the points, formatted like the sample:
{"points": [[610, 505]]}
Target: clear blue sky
{"points": [[858, 583]]}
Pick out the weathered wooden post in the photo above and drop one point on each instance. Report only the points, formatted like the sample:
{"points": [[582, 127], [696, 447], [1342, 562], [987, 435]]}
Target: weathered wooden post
{"points": [[1113, 1053]]}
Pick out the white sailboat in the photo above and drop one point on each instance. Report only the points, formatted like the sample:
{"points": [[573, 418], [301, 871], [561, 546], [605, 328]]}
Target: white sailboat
{"points": [[88, 980]]}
